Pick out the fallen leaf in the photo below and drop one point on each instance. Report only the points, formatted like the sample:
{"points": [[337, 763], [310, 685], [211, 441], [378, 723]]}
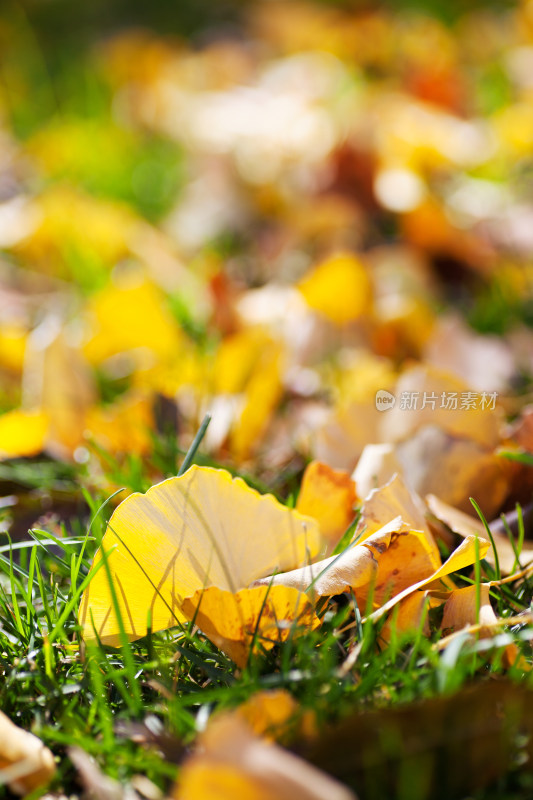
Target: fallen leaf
{"points": [[344, 433], [235, 359], [328, 496], [186, 534], [485, 363], [448, 747], [409, 558], [263, 393], [235, 622], [338, 288], [408, 617], [123, 426], [376, 466], [97, 228], [230, 762], [392, 500], [427, 385], [460, 608], [12, 347], [460, 611], [435, 462], [130, 316], [22, 433], [25, 763], [463, 556], [57, 380], [465, 525], [275, 715], [389, 555], [352, 569]]}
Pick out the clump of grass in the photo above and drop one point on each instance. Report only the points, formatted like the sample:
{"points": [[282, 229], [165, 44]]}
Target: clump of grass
{"points": [[91, 697]]}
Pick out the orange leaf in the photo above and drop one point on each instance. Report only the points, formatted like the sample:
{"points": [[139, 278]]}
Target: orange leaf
{"points": [[231, 763], [328, 496], [261, 615]]}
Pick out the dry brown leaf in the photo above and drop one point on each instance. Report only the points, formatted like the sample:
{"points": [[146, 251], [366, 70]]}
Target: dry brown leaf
{"points": [[25, 763]]}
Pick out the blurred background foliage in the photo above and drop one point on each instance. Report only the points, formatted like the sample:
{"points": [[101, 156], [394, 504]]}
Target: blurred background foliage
{"points": [[161, 162]]}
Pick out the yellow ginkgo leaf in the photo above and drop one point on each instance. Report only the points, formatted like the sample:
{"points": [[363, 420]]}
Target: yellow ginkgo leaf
{"points": [[328, 496], [408, 559], [96, 227], [408, 616], [262, 616], [123, 427], [12, 347], [231, 762], [262, 395], [186, 534], [460, 608], [216, 781], [471, 547], [131, 317], [392, 500], [235, 359], [338, 288], [22, 433], [353, 569]]}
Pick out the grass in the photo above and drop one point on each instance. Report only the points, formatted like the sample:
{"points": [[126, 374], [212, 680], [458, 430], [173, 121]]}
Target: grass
{"points": [[136, 709], [170, 682]]}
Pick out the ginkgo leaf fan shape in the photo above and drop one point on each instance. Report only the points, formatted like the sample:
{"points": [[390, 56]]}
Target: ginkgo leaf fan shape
{"points": [[185, 534]]}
